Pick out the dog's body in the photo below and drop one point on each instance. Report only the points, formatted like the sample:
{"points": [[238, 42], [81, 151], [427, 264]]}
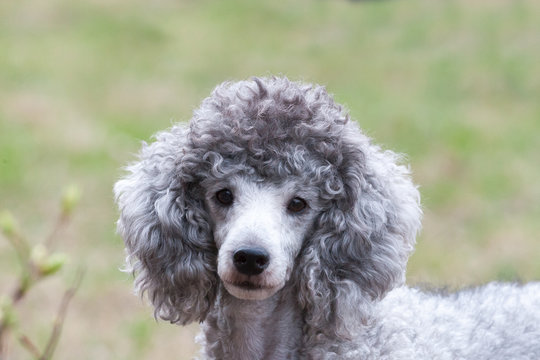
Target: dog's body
{"points": [[490, 322], [277, 223]]}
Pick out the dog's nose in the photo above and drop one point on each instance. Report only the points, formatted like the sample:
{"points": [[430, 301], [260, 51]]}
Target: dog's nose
{"points": [[251, 261]]}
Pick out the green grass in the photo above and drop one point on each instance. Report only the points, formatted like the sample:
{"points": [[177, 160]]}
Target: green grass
{"points": [[453, 84]]}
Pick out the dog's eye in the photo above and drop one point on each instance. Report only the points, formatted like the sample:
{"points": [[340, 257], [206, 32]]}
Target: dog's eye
{"points": [[225, 197], [296, 205]]}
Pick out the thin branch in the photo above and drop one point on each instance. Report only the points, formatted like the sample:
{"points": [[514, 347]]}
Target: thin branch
{"points": [[24, 283], [29, 345], [20, 245], [61, 221], [60, 317], [22, 249], [23, 286]]}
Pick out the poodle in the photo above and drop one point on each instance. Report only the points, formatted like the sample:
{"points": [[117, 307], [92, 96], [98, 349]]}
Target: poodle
{"points": [[273, 220]]}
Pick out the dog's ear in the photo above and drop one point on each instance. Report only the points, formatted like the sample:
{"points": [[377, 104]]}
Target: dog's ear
{"points": [[362, 240], [166, 230]]}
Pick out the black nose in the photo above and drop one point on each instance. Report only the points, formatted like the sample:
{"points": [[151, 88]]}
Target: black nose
{"points": [[251, 261]]}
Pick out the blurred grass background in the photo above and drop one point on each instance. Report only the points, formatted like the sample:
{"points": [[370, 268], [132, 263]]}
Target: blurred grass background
{"points": [[453, 84]]}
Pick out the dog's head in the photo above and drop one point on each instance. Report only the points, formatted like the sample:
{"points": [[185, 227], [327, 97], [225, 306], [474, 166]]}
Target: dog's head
{"points": [[270, 183]]}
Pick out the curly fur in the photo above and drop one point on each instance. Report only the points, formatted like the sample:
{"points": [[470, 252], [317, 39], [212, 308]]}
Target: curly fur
{"points": [[343, 295]]}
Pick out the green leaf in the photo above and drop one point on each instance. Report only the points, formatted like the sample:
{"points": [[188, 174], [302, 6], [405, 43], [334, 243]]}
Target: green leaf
{"points": [[8, 224], [70, 198], [53, 264]]}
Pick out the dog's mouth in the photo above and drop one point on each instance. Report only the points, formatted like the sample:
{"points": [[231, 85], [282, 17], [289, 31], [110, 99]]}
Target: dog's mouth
{"points": [[248, 290], [248, 285]]}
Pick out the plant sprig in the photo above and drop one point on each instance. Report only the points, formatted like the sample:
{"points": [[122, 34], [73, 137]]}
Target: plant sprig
{"points": [[37, 263]]}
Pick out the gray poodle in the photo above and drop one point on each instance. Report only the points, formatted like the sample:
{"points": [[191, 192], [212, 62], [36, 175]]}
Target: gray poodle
{"points": [[274, 221]]}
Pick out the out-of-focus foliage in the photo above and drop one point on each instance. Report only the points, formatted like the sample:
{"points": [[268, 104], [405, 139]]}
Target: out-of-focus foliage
{"points": [[36, 263]]}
